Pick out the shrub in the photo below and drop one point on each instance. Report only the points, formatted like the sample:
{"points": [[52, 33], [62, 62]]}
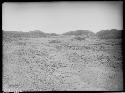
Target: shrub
{"points": [[79, 38], [54, 41]]}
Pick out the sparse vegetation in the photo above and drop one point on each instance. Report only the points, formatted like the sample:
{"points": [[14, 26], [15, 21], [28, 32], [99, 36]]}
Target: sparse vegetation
{"points": [[79, 38], [54, 41], [52, 64]]}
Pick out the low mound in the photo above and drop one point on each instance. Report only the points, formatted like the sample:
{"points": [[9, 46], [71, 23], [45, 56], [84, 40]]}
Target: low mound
{"points": [[79, 32], [30, 34], [110, 34], [24, 34]]}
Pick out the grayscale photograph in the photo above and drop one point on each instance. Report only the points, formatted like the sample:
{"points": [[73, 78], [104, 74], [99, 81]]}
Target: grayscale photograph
{"points": [[62, 46]]}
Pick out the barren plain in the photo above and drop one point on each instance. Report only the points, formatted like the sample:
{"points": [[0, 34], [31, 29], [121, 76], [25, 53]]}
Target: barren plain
{"points": [[62, 64]]}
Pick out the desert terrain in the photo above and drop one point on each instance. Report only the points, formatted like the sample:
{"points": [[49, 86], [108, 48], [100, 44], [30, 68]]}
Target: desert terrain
{"points": [[62, 63]]}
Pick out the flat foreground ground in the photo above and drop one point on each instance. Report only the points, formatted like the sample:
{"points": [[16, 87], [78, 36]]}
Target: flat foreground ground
{"points": [[62, 64]]}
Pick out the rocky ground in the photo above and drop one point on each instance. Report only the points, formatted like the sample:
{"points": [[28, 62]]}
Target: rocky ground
{"points": [[62, 64]]}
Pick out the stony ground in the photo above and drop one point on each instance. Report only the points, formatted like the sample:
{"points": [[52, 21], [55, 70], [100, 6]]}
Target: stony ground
{"points": [[62, 64]]}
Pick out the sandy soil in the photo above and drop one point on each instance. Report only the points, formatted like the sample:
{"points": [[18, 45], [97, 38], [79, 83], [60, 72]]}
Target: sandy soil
{"points": [[42, 64]]}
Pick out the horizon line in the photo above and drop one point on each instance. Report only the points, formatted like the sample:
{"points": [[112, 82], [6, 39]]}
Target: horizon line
{"points": [[61, 33]]}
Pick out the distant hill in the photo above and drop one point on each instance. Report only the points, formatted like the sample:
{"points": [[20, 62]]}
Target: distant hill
{"points": [[36, 33], [9, 36], [30, 34], [53, 34], [80, 32], [109, 34]]}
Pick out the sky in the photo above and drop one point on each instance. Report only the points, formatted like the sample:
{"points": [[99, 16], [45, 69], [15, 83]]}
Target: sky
{"points": [[61, 17]]}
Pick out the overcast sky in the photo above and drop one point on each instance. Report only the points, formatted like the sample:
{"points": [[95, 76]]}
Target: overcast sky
{"points": [[60, 17]]}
